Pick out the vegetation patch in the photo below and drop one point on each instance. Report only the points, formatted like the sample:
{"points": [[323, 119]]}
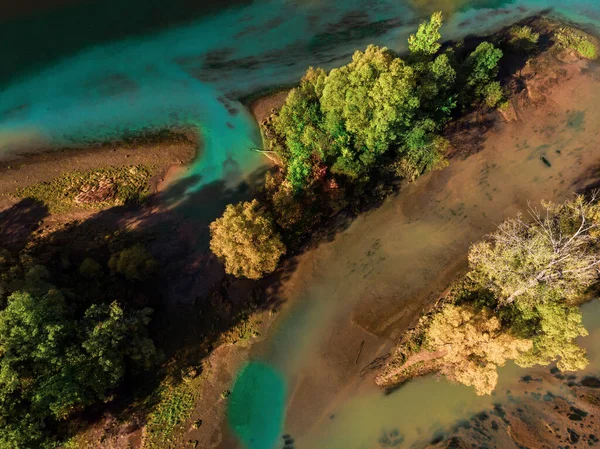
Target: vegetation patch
{"points": [[343, 135], [173, 406], [523, 39], [519, 301], [95, 189], [578, 41]]}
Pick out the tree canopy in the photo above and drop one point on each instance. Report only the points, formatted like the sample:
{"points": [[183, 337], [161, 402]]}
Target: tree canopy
{"points": [[245, 239], [341, 123], [519, 301]]}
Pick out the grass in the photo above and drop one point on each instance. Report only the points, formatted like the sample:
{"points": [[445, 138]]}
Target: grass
{"points": [[173, 407], [577, 41], [95, 189]]}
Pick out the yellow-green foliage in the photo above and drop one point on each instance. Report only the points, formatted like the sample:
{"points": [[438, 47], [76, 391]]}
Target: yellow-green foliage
{"points": [[578, 41], [475, 345], [559, 327], [518, 302], [556, 256], [245, 239], [523, 38], [95, 189], [174, 404]]}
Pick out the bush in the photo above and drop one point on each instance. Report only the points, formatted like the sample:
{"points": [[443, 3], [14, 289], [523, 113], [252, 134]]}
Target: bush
{"points": [[244, 237], [493, 94], [90, 269], [135, 263], [523, 39], [577, 41], [54, 363]]}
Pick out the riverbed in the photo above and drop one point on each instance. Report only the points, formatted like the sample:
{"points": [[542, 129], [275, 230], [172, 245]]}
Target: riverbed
{"points": [[350, 299]]}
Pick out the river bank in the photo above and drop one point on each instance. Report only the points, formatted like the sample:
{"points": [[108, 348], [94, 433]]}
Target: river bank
{"points": [[161, 153], [358, 291], [363, 292]]}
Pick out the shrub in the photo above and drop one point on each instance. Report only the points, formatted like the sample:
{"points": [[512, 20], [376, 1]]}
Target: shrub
{"points": [[244, 237], [577, 41], [90, 269], [523, 38], [135, 263], [493, 94]]}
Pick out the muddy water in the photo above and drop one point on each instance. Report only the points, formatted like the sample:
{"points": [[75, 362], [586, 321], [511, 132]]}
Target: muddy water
{"points": [[374, 279]]}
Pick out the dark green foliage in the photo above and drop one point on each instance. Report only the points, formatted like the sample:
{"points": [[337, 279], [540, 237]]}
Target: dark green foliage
{"points": [[54, 363], [65, 343], [135, 263], [482, 66], [90, 269]]}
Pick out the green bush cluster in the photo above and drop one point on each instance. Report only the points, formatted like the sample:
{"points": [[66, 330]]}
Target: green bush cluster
{"points": [[342, 133], [94, 189], [575, 40], [523, 39], [66, 341], [340, 124]]}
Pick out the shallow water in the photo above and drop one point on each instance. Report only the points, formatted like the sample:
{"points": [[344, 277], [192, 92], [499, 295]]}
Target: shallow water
{"points": [[191, 74], [357, 288], [374, 279]]}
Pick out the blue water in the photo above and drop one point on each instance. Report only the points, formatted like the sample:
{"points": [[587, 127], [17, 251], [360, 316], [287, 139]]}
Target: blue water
{"points": [[256, 406]]}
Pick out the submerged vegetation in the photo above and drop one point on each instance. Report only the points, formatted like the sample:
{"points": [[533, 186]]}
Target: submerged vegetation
{"points": [[339, 133], [519, 301]]}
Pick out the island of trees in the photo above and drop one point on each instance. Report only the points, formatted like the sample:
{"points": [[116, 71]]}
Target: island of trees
{"points": [[339, 134], [519, 301], [342, 134]]}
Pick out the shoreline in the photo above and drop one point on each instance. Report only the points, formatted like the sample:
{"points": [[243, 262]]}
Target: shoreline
{"points": [[165, 152], [362, 328], [524, 103]]}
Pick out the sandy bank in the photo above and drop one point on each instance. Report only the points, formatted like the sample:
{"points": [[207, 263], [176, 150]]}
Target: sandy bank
{"points": [[170, 151]]}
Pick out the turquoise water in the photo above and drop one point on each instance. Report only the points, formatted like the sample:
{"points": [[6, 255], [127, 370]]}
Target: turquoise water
{"points": [[256, 406], [191, 75]]}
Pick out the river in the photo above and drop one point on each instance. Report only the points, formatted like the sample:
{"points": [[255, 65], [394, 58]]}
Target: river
{"points": [[190, 73]]}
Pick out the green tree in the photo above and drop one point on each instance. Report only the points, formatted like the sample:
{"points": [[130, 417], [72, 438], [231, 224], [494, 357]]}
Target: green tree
{"points": [[52, 364], [373, 101], [135, 263], [556, 256], [90, 269], [555, 329], [425, 42], [244, 237]]}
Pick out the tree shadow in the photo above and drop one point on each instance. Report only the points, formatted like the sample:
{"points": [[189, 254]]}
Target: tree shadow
{"points": [[18, 222]]}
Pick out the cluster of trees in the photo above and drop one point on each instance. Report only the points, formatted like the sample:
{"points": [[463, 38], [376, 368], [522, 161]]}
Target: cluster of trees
{"points": [[67, 338], [340, 130], [519, 301]]}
